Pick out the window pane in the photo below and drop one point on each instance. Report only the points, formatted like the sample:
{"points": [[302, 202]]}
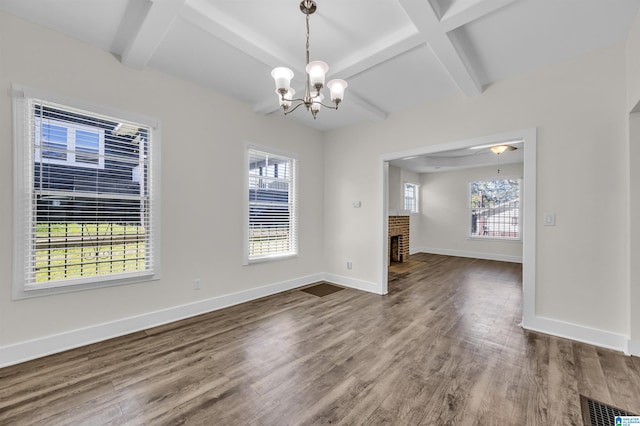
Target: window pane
{"points": [[87, 147], [411, 197], [54, 142], [495, 208]]}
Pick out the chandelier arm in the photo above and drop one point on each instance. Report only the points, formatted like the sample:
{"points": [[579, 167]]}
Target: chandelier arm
{"points": [[294, 108], [292, 100], [327, 106]]}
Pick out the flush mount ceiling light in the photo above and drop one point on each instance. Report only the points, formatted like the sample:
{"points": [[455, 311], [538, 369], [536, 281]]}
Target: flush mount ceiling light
{"points": [[506, 142], [316, 72], [499, 149]]}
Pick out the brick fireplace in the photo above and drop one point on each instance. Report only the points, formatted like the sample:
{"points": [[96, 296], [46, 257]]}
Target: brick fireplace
{"points": [[399, 235]]}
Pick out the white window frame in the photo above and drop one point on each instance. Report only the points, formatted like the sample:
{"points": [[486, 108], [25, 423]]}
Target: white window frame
{"points": [[23, 184], [70, 144], [518, 223], [415, 199], [293, 203]]}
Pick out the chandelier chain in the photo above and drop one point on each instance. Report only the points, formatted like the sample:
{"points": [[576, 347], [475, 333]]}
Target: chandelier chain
{"points": [[307, 93]]}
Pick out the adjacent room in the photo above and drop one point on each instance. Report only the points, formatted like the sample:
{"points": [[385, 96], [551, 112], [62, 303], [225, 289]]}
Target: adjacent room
{"points": [[205, 223]]}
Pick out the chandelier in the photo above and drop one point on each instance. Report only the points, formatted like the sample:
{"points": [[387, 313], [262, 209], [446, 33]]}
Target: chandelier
{"points": [[316, 72]]}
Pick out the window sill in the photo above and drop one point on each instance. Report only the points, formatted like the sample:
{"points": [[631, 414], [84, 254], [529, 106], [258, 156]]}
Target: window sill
{"points": [[497, 239], [267, 259], [70, 288]]}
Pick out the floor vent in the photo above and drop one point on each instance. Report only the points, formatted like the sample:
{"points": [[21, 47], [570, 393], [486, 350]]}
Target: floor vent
{"points": [[596, 413], [322, 289]]}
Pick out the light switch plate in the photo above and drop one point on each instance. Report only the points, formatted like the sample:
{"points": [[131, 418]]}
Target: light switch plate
{"points": [[549, 219]]}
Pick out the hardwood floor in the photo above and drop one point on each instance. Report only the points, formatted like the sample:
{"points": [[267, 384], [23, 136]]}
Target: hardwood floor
{"points": [[444, 347]]}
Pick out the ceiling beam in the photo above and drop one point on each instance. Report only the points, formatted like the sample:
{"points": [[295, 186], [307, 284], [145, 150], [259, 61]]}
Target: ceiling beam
{"points": [[460, 14], [154, 26], [379, 52], [444, 47]]}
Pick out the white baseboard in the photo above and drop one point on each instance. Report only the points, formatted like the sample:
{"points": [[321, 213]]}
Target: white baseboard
{"points": [[36, 348], [592, 336], [357, 284], [471, 254], [633, 347]]}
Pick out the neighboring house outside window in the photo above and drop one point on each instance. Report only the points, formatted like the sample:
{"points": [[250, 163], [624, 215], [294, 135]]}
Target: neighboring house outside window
{"points": [[272, 228], [68, 143], [411, 197], [495, 209], [85, 197]]}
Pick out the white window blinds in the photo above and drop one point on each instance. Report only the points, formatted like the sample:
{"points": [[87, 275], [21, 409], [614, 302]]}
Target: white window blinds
{"points": [[88, 183], [272, 206]]}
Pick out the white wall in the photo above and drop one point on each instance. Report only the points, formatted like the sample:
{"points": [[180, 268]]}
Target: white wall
{"points": [[633, 104], [633, 65], [203, 137], [396, 200], [444, 215], [578, 108]]}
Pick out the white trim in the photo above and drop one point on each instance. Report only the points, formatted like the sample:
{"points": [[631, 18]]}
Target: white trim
{"points": [[47, 345], [22, 91], [354, 283], [633, 347], [592, 336], [471, 254]]}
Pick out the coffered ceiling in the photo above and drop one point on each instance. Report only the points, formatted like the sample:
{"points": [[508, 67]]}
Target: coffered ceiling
{"points": [[395, 54]]}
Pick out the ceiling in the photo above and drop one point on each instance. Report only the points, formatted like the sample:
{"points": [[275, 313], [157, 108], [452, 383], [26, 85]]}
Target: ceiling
{"points": [[395, 54], [464, 158]]}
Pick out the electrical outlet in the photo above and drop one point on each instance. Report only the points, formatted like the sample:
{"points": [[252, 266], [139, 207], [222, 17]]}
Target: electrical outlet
{"points": [[196, 284], [349, 265]]}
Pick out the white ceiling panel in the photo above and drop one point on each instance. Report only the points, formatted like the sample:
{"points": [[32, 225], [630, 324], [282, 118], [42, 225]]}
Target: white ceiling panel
{"points": [[416, 74], [193, 54], [94, 22], [528, 35]]}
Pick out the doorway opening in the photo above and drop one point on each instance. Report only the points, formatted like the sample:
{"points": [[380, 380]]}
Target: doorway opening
{"points": [[527, 140]]}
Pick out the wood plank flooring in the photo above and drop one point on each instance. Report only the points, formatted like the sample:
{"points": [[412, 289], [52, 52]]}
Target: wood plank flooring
{"points": [[444, 347]]}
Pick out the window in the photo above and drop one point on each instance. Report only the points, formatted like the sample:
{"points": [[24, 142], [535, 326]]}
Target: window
{"points": [[411, 197], [85, 196], [495, 209], [272, 229]]}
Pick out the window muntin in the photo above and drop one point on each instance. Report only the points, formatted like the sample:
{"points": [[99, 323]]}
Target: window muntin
{"points": [[411, 197], [84, 220], [68, 143], [272, 230], [495, 209]]}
